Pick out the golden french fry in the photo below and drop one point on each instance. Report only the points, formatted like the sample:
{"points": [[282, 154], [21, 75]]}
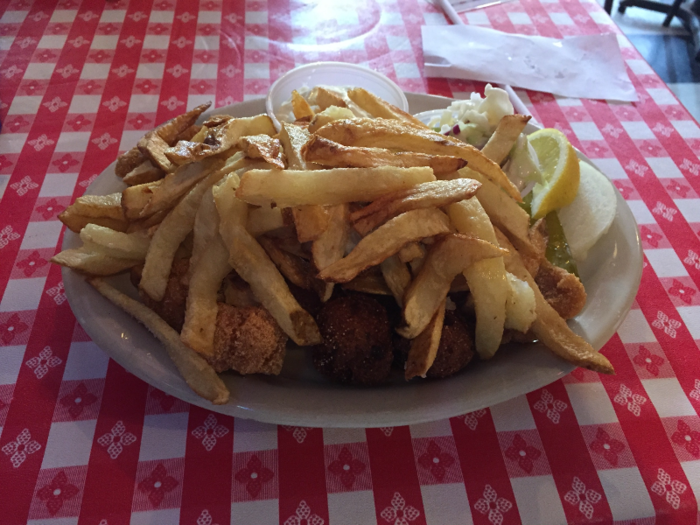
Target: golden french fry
{"points": [[297, 270], [219, 139], [98, 206], [549, 327], [427, 195], [503, 139], [143, 173], [370, 281], [329, 114], [264, 219], [116, 244], [385, 241], [413, 250], [103, 210], [486, 279], [154, 144], [251, 262], [397, 277], [521, 307], [93, 262], [263, 147], [196, 372], [135, 198], [310, 222], [147, 223], [326, 98], [380, 108], [293, 138], [329, 247], [205, 227], [328, 153], [394, 134], [172, 231], [176, 184], [202, 308], [327, 187], [127, 161], [424, 348], [199, 136], [449, 256], [75, 222], [300, 107], [503, 211]]}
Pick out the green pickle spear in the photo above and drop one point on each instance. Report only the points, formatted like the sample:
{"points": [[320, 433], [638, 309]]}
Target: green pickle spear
{"points": [[558, 252]]}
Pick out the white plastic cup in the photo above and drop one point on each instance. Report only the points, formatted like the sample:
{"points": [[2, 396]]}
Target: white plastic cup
{"points": [[332, 74]]}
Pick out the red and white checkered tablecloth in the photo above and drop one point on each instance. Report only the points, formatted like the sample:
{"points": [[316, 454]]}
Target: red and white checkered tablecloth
{"points": [[84, 442]]}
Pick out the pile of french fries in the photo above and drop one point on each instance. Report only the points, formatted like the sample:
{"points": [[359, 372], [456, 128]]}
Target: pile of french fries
{"points": [[378, 204]]}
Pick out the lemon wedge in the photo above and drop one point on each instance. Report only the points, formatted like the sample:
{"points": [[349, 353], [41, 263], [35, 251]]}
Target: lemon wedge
{"points": [[560, 172]]}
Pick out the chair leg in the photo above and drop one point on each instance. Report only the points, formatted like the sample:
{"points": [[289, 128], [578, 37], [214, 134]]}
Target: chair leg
{"points": [[608, 6], [672, 12]]}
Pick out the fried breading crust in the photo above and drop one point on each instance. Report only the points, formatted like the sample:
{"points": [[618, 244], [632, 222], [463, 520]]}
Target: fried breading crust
{"points": [[248, 340], [357, 341], [562, 290]]}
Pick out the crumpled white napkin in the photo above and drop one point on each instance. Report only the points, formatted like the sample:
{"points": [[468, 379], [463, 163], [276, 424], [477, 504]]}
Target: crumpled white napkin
{"points": [[588, 66]]}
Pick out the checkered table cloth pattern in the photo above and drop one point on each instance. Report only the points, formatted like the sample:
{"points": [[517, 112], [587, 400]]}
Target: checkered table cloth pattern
{"points": [[84, 442]]}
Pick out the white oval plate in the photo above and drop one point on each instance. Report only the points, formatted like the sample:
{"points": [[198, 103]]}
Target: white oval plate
{"points": [[300, 396]]}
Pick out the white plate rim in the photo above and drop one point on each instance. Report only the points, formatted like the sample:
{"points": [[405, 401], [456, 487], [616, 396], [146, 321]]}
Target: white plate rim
{"points": [[124, 336]]}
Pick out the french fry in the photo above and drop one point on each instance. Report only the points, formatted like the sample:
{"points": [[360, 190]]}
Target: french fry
{"points": [[116, 244], [176, 184], [310, 222], [147, 223], [93, 262], [329, 115], [154, 144], [76, 222], [327, 187], [447, 257], [264, 219], [424, 348], [413, 250], [196, 372], [169, 235], [263, 147], [503, 139], [427, 195], [300, 107], [251, 262], [143, 173], [549, 327], [202, 308], [521, 306], [370, 281], [293, 138], [135, 198], [329, 246], [297, 270], [394, 134], [127, 161], [385, 241], [503, 212], [219, 139], [326, 98], [486, 279], [379, 108], [98, 206], [331, 154], [397, 277]]}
